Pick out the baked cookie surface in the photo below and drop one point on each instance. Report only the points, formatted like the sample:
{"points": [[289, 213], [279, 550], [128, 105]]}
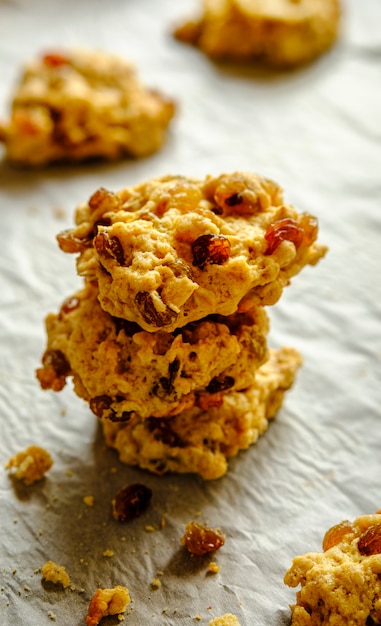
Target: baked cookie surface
{"points": [[342, 584], [281, 33], [175, 249], [119, 368], [80, 104], [201, 441]]}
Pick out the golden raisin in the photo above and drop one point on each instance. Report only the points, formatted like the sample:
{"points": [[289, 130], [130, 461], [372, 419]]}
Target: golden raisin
{"points": [[148, 312], [111, 246], [370, 541], [131, 502], [336, 534], [103, 199], [55, 59], [69, 243], [281, 230], [199, 539], [212, 249]]}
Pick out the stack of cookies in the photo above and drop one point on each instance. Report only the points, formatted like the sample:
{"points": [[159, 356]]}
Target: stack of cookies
{"points": [[167, 340]]}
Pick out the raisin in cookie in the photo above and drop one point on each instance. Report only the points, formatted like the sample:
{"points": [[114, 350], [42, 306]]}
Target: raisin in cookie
{"points": [[342, 584], [202, 440], [281, 33], [174, 249], [78, 104], [119, 368]]}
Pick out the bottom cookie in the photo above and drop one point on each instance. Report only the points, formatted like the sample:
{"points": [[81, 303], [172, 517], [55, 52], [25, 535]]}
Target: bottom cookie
{"points": [[201, 441], [340, 586]]}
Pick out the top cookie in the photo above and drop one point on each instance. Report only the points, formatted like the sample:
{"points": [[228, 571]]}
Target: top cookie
{"points": [[174, 250], [281, 33], [73, 105]]}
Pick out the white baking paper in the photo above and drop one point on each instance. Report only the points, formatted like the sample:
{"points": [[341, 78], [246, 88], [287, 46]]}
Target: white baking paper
{"points": [[317, 132]]}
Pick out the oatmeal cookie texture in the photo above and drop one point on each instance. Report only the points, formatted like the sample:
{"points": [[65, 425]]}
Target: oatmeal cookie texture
{"points": [[174, 249], [342, 584], [30, 465], [167, 339], [281, 33], [78, 104], [120, 369], [202, 440]]}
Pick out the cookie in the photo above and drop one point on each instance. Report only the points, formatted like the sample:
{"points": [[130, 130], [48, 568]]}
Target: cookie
{"points": [[342, 584], [174, 249], [280, 33], [201, 441], [79, 104], [119, 368]]}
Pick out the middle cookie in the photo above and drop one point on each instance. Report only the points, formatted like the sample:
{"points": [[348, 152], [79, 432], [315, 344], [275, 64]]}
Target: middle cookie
{"points": [[120, 369]]}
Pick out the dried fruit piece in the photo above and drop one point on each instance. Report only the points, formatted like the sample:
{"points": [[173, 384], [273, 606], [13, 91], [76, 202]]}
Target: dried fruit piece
{"points": [[55, 59], [104, 199], [71, 244], [148, 312], [281, 230], [131, 502], [110, 246], [199, 539], [212, 249], [101, 407], [336, 534], [54, 371], [69, 305], [370, 541], [162, 431], [220, 383]]}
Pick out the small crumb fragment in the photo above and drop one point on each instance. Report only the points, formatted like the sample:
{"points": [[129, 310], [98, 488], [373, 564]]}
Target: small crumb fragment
{"points": [[198, 618], [149, 528], [52, 616], [163, 522], [89, 500], [225, 620], [31, 464], [199, 539], [108, 553], [69, 473], [107, 602], [55, 573], [214, 568], [156, 583]]}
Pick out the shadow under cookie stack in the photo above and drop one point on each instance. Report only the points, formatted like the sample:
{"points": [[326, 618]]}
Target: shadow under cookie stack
{"points": [[167, 340]]}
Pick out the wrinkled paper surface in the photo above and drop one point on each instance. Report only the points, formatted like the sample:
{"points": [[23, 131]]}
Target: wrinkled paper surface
{"points": [[317, 132]]}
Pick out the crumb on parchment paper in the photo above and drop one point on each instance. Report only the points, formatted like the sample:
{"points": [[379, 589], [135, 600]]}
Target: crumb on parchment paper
{"points": [[30, 465], [55, 573], [107, 602]]}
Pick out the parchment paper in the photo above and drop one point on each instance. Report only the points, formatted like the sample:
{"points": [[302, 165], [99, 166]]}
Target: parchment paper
{"points": [[316, 131]]}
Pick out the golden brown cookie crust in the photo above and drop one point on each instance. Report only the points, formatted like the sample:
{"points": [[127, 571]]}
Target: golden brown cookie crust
{"points": [[119, 368], [201, 441], [176, 249], [341, 585], [281, 33], [78, 104]]}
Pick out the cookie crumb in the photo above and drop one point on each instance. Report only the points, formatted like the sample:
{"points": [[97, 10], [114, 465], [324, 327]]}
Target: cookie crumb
{"points": [[52, 616], [155, 583], [89, 500], [30, 465], [108, 553], [214, 568], [107, 602], [55, 574]]}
